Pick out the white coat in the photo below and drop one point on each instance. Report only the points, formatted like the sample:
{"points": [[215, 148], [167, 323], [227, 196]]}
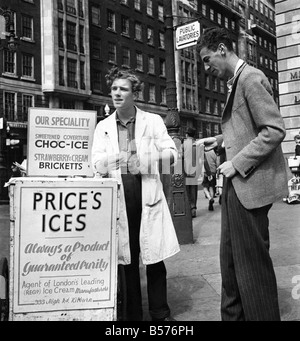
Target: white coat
{"points": [[158, 239]]}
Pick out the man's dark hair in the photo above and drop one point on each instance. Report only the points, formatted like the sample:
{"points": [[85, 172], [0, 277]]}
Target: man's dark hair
{"points": [[124, 73], [212, 37]]}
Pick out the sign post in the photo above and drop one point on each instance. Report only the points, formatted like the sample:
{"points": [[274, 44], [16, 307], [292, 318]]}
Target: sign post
{"points": [[60, 142], [63, 235], [187, 35], [63, 251]]}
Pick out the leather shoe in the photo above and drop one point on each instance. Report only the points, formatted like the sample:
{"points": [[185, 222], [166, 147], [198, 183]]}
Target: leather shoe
{"points": [[211, 205]]}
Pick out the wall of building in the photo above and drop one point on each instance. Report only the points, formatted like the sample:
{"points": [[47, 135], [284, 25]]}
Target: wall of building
{"points": [[288, 52]]}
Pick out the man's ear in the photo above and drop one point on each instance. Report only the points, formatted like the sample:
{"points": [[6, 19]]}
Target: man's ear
{"points": [[222, 49]]}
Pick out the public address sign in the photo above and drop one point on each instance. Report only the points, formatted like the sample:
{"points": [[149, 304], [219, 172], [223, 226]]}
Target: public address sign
{"points": [[187, 35]]}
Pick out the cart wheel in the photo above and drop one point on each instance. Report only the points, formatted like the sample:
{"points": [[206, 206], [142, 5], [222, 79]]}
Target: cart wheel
{"points": [[4, 289], [121, 294]]}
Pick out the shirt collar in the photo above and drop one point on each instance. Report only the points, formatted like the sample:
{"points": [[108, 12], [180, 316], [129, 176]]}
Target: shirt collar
{"points": [[231, 80], [131, 120]]}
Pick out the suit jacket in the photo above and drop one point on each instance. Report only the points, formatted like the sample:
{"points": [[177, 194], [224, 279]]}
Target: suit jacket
{"points": [[252, 130], [158, 238]]}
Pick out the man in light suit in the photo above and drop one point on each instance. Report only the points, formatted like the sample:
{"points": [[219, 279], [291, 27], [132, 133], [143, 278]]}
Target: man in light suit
{"points": [[255, 177], [130, 145]]}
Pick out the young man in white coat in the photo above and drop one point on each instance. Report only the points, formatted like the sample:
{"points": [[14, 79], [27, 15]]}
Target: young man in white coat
{"points": [[255, 177], [128, 146]]}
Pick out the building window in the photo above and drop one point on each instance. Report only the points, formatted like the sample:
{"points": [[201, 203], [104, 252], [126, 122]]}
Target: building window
{"points": [[151, 65], [261, 59], [137, 4], [61, 68], [71, 71], [125, 25], [10, 62], [207, 85], [125, 56], [207, 105], [222, 86], [27, 27], [219, 18], [204, 9], [212, 14], [266, 62], [216, 129], [152, 96], [10, 106], [27, 102], [161, 40], [208, 129], [139, 61], [96, 19], [226, 22], [215, 107], [150, 36], [96, 48], [138, 31], [97, 83], [82, 75], [81, 39], [111, 20], [27, 65], [188, 73], [150, 7], [215, 84], [183, 98], [61, 34], [80, 8], [71, 9], [71, 36], [112, 53], [189, 99], [161, 12], [60, 5], [162, 67], [163, 95]]}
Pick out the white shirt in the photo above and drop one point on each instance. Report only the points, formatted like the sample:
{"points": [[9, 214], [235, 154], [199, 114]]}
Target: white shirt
{"points": [[231, 80]]}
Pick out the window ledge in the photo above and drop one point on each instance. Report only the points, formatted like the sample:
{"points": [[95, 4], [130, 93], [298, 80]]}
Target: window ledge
{"points": [[29, 79], [9, 75], [28, 40]]}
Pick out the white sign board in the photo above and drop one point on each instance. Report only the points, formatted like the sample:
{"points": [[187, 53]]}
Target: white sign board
{"points": [[187, 35], [65, 245], [60, 142]]}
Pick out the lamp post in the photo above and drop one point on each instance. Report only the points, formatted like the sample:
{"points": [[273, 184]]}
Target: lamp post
{"points": [[12, 45], [174, 183]]}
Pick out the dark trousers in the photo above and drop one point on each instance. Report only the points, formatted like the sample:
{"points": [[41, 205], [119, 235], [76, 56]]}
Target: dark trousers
{"points": [[249, 289], [192, 192], [156, 273]]}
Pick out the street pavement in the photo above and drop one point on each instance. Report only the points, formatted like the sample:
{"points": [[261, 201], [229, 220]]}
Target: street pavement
{"points": [[194, 280]]}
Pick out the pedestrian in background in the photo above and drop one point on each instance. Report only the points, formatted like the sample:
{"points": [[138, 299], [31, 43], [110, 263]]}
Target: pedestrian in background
{"points": [[209, 179], [255, 177], [128, 146], [192, 168], [297, 147]]}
